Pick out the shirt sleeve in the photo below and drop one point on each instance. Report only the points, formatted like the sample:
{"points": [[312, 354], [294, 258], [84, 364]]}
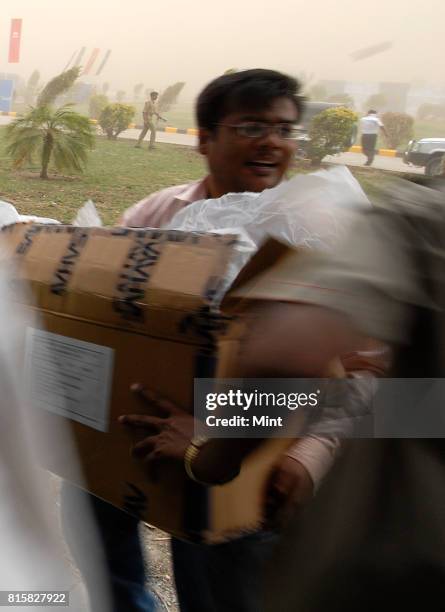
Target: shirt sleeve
{"points": [[316, 454]]}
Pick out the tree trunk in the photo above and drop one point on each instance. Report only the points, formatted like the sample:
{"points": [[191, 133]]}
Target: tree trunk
{"points": [[46, 154]]}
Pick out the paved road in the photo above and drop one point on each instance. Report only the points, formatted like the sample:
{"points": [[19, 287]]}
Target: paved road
{"points": [[394, 164]]}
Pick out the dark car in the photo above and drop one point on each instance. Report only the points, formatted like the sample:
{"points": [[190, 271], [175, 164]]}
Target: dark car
{"points": [[426, 153]]}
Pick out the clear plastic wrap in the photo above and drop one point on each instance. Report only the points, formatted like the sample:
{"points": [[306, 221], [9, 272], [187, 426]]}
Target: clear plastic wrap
{"points": [[310, 210]]}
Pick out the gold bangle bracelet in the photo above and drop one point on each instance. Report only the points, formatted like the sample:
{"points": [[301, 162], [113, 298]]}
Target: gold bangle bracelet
{"points": [[190, 455]]}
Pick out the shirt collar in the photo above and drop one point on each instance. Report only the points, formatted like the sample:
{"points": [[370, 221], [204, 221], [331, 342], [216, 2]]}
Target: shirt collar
{"points": [[194, 191]]}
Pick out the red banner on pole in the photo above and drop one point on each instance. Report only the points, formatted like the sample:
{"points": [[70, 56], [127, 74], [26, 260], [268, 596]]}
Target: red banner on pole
{"points": [[91, 61], [14, 41]]}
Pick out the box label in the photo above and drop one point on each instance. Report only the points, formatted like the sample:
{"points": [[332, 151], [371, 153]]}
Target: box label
{"points": [[69, 377]]}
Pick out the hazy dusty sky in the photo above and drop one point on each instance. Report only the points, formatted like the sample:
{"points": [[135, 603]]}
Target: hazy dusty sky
{"points": [[159, 42]]}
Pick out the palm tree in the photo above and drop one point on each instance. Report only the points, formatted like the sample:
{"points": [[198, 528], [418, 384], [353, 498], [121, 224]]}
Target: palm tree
{"points": [[61, 134]]}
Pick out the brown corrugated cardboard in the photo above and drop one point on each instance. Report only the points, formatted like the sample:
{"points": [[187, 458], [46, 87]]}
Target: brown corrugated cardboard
{"points": [[135, 306]]}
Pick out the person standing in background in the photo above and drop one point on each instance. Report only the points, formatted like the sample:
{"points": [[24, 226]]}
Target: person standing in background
{"points": [[370, 125], [150, 115]]}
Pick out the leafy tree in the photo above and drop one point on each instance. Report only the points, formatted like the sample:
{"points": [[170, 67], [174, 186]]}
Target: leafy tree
{"points": [[331, 132], [96, 105], [169, 96], [434, 112], [61, 135], [57, 86], [32, 87], [342, 98], [120, 95], [318, 93], [376, 102], [115, 118], [399, 128]]}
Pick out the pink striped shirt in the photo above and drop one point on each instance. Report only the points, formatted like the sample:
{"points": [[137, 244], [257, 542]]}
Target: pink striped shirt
{"points": [[159, 208]]}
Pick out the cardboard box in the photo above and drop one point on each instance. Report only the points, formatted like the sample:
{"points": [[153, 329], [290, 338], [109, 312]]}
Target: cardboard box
{"points": [[121, 306]]}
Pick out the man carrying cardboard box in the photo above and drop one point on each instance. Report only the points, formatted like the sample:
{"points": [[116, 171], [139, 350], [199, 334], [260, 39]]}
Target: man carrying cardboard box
{"points": [[247, 134]]}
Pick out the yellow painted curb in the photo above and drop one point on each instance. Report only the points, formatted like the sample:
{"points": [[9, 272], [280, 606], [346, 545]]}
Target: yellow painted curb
{"points": [[13, 114], [388, 152], [93, 121], [131, 126], [192, 131], [171, 130], [384, 152]]}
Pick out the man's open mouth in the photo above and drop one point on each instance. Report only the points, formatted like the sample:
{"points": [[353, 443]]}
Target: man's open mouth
{"points": [[262, 164]]}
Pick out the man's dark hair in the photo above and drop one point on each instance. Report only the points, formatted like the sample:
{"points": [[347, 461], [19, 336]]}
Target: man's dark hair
{"points": [[372, 112], [154, 93], [249, 89]]}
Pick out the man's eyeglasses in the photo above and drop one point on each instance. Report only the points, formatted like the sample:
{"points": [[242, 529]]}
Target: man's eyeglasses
{"points": [[286, 131]]}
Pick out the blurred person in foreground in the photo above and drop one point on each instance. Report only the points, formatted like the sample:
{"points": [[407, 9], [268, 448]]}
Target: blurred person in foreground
{"points": [[247, 134], [33, 554], [374, 537], [370, 126]]}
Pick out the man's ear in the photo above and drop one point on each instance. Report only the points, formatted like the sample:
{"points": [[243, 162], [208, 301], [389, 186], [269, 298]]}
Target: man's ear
{"points": [[204, 136]]}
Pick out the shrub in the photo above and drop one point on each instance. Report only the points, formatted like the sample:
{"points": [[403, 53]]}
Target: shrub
{"points": [[399, 128], [96, 105], [331, 132], [115, 118]]}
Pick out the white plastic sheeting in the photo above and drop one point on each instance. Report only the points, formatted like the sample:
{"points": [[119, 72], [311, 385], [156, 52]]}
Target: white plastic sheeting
{"points": [[310, 210], [9, 214]]}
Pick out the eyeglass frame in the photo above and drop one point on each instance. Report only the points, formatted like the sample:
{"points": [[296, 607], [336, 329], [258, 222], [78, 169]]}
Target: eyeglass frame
{"points": [[267, 127]]}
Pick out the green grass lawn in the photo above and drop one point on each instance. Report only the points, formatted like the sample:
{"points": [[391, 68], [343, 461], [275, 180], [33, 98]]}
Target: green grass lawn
{"points": [[117, 176]]}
